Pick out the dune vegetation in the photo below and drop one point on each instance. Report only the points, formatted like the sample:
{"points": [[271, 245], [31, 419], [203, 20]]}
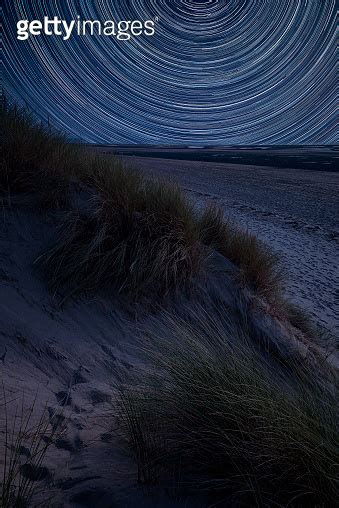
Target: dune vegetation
{"points": [[131, 231], [139, 236], [238, 424], [35, 157], [212, 404], [259, 266], [25, 436]]}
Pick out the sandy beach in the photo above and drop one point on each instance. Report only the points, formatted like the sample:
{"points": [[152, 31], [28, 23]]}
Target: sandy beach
{"points": [[293, 210]]}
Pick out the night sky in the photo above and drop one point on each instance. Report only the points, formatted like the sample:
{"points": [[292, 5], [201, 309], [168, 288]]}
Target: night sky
{"points": [[215, 72]]}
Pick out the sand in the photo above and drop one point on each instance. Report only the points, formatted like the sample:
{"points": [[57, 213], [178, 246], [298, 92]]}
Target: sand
{"points": [[67, 360]]}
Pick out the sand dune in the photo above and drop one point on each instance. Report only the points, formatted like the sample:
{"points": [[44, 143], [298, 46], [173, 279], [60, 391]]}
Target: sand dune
{"points": [[69, 358], [294, 211]]}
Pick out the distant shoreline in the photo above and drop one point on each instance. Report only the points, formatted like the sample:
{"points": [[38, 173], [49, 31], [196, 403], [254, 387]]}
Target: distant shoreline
{"points": [[316, 158]]}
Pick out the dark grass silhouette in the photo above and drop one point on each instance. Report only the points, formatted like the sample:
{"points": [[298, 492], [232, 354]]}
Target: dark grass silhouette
{"points": [[35, 157], [26, 443]]}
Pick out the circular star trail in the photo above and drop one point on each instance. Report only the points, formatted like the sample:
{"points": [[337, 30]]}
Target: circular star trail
{"points": [[215, 72]]}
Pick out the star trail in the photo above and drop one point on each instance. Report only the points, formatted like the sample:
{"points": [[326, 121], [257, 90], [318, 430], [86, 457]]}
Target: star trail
{"points": [[214, 73]]}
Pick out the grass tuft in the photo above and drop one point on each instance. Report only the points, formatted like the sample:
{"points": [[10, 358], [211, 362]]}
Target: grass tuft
{"points": [[35, 157], [140, 237], [259, 266], [244, 427], [24, 450]]}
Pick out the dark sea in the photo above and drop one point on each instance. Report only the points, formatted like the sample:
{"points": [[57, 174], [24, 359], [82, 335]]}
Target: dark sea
{"points": [[318, 158]]}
